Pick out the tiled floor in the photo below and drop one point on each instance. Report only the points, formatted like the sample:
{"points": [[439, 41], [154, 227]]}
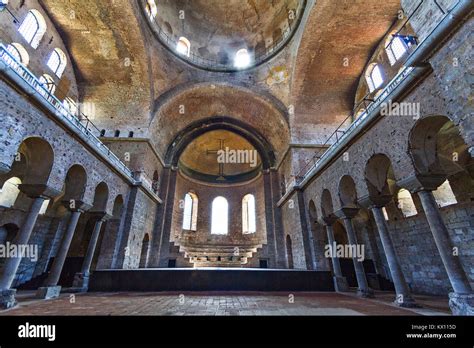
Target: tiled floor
{"points": [[219, 304]]}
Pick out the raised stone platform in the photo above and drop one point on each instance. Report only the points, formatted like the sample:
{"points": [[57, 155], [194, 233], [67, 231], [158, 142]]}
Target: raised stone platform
{"points": [[210, 279]]}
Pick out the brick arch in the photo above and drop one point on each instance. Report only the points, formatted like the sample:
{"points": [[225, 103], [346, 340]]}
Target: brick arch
{"points": [[101, 197], [377, 171], [432, 143], [40, 159], [327, 204], [347, 192], [187, 104], [75, 183]]}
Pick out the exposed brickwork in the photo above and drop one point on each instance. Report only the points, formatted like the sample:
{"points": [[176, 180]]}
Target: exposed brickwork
{"points": [[186, 240]]}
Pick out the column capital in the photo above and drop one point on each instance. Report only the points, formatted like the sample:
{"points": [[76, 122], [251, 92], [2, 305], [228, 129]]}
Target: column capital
{"points": [[100, 215], [347, 213], [38, 191], [418, 182], [374, 202], [78, 206], [329, 220]]}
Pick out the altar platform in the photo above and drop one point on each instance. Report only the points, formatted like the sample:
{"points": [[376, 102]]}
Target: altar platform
{"points": [[210, 279]]}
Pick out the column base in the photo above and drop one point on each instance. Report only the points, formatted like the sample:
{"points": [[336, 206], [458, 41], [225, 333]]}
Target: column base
{"points": [[340, 284], [7, 298], [81, 282], [48, 292], [367, 293], [461, 304], [405, 302]]}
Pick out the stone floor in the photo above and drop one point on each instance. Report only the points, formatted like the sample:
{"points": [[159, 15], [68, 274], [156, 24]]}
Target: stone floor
{"points": [[221, 304]]}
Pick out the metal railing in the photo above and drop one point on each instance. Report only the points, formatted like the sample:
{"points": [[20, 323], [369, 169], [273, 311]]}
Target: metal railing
{"points": [[259, 55], [82, 126], [332, 143]]}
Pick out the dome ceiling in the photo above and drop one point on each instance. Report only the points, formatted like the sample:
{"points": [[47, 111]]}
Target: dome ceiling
{"points": [[201, 159], [216, 31]]}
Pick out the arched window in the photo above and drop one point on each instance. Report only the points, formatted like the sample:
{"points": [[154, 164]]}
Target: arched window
{"points": [[374, 77], [57, 62], [151, 9], [249, 224], [48, 83], [117, 133], [183, 46], [9, 192], [33, 28], [130, 134], [220, 216], [190, 212], [444, 195], [102, 133], [406, 204], [19, 52], [396, 49], [242, 59]]}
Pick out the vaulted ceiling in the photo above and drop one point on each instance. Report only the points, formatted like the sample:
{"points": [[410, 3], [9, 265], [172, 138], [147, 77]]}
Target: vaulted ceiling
{"points": [[107, 46], [124, 70], [339, 38]]}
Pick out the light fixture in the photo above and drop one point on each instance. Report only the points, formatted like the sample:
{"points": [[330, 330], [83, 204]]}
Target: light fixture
{"points": [[242, 59]]}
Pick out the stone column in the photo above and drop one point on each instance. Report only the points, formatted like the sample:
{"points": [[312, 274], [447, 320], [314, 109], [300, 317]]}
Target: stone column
{"points": [[39, 193], [269, 222], [462, 300], [347, 214], [51, 288], [340, 282], [154, 258], [12, 263], [277, 220], [403, 296], [7, 295], [81, 279], [164, 248], [125, 225], [308, 243]]}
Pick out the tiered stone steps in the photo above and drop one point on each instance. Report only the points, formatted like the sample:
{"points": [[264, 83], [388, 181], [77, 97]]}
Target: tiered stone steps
{"points": [[218, 256]]}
